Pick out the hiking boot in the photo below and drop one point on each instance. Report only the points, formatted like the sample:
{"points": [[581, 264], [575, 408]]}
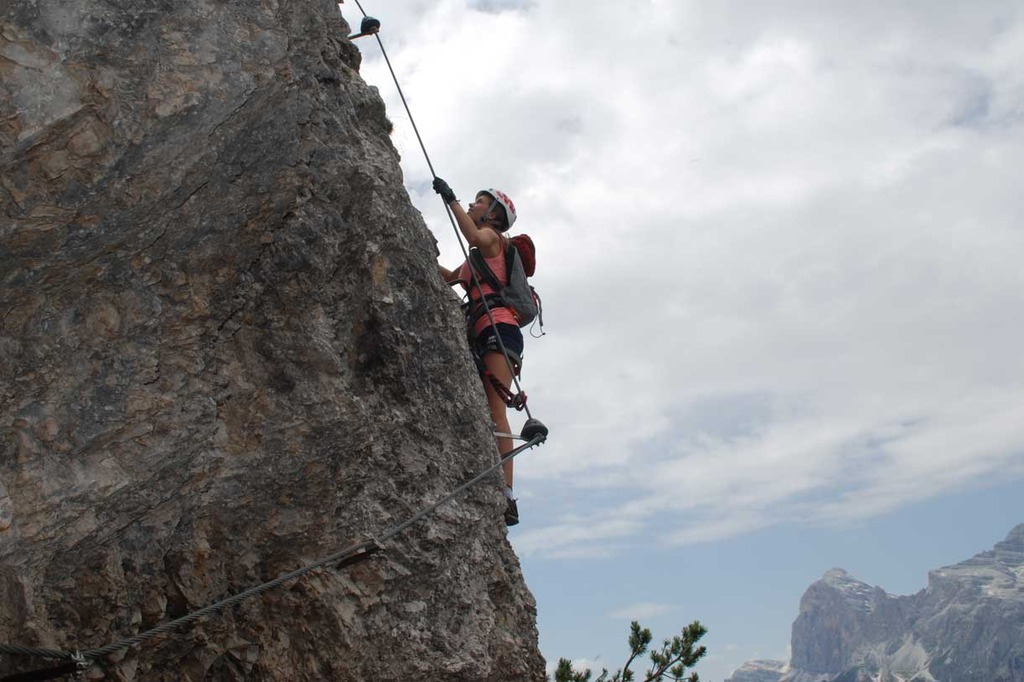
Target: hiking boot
{"points": [[511, 512]]}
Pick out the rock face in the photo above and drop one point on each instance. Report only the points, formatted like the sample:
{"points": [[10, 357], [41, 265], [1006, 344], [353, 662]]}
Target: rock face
{"points": [[225, 352], [759, 671], [966, 626], [838, 614]]}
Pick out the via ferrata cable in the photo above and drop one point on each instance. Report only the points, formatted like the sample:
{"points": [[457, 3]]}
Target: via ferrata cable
{"points": [[451, 219], [342, 558]]}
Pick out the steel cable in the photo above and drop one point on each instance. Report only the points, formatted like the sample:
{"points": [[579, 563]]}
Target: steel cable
{"points": [[351, 554], [451, 218]]}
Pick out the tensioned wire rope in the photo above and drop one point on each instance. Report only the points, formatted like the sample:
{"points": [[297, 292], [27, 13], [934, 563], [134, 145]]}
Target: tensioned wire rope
{"points": [[451, 218], [78, 660]]}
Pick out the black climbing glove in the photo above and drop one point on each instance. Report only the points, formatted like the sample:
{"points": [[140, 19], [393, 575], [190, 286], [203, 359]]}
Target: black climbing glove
{"points": [[442, 188]]}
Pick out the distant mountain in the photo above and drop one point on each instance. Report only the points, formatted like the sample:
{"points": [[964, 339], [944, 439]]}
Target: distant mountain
{"points": [[759, 671], [966, 626]]}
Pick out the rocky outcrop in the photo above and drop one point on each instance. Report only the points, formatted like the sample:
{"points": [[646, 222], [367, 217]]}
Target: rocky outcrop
{"points": [[971, 616], [759, 671], [966, 626], [225, 352], [838, 615]]}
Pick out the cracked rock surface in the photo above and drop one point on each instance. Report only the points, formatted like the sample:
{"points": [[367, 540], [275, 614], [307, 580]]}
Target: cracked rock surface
{"points": [[225, 353]]}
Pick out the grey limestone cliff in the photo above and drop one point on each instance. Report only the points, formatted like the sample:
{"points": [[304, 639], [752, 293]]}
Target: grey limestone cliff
{"points": [[759, 671], [225, 352], [966, 626]]}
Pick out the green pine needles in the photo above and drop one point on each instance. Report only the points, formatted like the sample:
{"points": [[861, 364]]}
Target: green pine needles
{"points": [[668, 663]]}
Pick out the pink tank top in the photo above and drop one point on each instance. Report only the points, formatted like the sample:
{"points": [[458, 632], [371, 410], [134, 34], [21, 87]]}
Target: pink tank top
{"points": [[497, 266]]}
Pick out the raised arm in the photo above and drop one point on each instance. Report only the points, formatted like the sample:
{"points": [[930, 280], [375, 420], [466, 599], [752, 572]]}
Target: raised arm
{"points": [[482, 237]]}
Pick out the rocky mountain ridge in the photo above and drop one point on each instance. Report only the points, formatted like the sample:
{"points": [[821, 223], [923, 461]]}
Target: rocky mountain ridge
{"points": [[225, 352], [967, 625], [759, 671]]}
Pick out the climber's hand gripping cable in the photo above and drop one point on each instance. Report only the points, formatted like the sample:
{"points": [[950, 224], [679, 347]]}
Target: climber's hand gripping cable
{"points": [[445, 192], [471, 224]]}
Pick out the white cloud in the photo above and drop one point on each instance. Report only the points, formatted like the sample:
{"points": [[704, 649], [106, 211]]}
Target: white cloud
{"points": [[577, 537], [641, 611], [779, 249]]}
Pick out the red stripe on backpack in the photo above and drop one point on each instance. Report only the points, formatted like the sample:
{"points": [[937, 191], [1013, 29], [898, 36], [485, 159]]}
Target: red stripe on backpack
{"points": [[527, 252]]}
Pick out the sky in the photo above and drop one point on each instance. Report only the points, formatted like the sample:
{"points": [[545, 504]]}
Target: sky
{"points": [[779, 248]]}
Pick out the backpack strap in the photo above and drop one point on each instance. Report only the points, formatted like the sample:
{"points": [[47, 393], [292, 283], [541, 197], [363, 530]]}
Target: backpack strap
{"points": [[475, 309], [478, 262], [483, 270]]}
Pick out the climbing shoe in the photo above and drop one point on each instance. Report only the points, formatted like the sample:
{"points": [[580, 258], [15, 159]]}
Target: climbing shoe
{"points": [[511, 512]]}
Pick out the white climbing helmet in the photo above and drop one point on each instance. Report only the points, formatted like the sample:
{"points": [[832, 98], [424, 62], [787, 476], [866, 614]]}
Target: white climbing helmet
{"points": [[502, 198]]}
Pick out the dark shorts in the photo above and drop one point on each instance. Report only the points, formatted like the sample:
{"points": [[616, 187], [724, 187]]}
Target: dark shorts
{"points": [[511, 337]]}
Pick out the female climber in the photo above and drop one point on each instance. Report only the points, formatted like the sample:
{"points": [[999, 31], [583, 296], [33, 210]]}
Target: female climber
{"points": [[483, 224]]}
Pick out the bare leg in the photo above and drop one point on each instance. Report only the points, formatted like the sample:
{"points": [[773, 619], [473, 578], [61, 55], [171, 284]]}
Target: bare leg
{"points": [[495, 363]]}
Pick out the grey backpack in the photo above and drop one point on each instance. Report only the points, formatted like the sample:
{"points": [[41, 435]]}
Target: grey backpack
{"points": [[517, 295]]}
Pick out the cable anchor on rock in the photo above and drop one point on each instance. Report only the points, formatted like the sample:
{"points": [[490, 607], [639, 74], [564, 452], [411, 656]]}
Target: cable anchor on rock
{"points": [[367, 27], [75, 664], [534, 428]]}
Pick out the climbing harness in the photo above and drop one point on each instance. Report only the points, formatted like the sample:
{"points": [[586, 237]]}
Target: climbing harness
{"points": [[534, 433], [479, 347], [514, 400], [451, 218], [519, 298]]}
